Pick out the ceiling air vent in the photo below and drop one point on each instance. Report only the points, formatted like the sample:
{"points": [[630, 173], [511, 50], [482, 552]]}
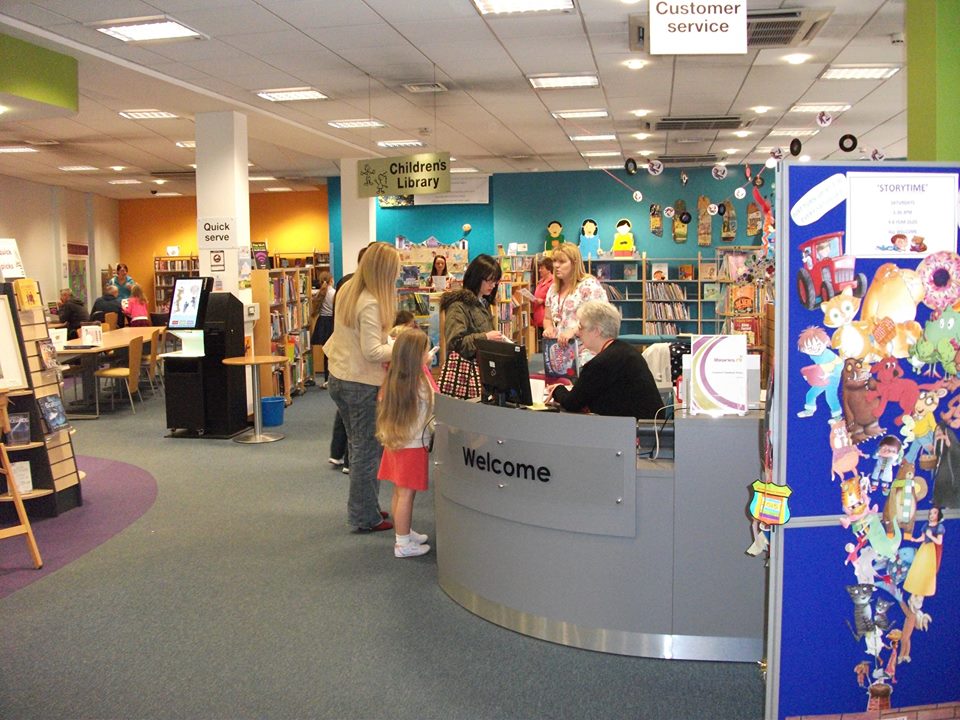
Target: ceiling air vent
{"points": [[433, 87], [784, 27], [699, 122], [688, 159]]}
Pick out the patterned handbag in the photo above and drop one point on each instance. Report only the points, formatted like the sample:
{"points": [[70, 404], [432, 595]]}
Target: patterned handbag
{"points": [[459, 377]]}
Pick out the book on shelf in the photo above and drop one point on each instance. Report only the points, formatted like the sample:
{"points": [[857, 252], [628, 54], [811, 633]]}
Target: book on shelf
{"points": [[708, 272], [629, 271], [711, 291], [19, 429], [28, 293], [261, 259], [742, 299], [22, 476], [749, 326], [48, 354], [53, 413], [685, 272], [410, 275], [601, 271], [735, 264], [659, 271], [560, 361]]}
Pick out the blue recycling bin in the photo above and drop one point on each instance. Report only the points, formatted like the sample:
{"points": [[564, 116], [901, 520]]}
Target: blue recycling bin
{"points": [[271, 411]]}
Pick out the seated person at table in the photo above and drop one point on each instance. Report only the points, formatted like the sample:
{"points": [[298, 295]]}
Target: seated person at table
{"points": [[71, 313], [109, 302], [136, 308], [617, 380]]}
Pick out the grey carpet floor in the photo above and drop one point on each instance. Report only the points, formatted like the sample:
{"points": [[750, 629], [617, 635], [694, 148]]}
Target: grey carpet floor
{"points": [[242, 594]]}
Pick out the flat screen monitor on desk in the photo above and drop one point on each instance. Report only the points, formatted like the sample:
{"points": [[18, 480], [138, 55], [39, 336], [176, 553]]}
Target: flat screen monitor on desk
{"points": [[504, 373]]}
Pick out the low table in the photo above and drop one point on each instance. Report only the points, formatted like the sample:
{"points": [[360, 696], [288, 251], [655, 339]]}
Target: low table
{"points": [[256, 435]]}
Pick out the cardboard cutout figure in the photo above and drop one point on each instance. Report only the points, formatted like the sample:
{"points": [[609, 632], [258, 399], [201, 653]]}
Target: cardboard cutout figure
{"points": [[589, 240], [623, 245], [554, 236]]}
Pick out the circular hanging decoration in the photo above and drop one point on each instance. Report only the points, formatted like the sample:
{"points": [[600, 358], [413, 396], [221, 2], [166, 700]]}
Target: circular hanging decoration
{"points": [[684, 177], [630, 166], [721, 209], [824, 119], [637, 196], [758, 181], [719, 172], [877, 155], [777, 153], [848, 143], [740, 193], [712, 209], [940, 274], [654, 167], [466, 228], [796, 147], [668, 211], [685, 217]]}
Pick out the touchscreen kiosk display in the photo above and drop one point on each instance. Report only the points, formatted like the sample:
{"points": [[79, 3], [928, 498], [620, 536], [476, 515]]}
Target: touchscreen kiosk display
{"points": [[188, 303], [503, 372]]}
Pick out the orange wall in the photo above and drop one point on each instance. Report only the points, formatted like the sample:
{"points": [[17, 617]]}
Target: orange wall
{"points": [[295, 222]]}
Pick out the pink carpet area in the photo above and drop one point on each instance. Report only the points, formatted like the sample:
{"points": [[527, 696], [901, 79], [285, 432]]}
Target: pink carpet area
{"points": [[114, 495]]}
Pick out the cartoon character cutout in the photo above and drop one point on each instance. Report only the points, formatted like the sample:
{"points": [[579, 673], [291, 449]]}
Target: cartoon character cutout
{"points": [[888, 455], [623, 245], [554, 236], [589, 240], [823, 375]]}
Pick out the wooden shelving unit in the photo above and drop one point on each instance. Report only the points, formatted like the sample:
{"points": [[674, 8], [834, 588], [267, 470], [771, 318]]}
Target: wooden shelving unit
{"points": [[166, 269]]}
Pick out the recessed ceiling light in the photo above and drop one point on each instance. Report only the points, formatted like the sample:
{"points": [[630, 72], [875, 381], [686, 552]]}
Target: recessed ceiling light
{"points": [[580, 114], [792, 132], [646, 153], [859, 72], [145, 29], [742, 133], [640, 113], [641, 136], [291, 94], [605, 166], [278, 189], [129, 181], [2, 109], [464, 169], [556, 82], [352, 124], [731, 151], [797, 58], [118, 168], [804, 158], [167, 194], [17, 149], [820, 107], [635, 64], [498, 7], [261, 178], [600, 153], [186, 143], [592, 138], [192, 165], [160, 181], [761, 109], [78, 168], [399, 143], [146, 115]]}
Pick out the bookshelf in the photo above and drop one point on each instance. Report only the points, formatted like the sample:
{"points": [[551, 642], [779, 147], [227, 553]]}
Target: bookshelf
{"points": [[53, 468], [513, 314], [284, 298], [166, 269]]}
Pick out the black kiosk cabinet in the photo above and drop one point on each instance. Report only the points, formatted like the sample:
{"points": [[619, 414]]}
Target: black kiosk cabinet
{"points": [[204, 396]]}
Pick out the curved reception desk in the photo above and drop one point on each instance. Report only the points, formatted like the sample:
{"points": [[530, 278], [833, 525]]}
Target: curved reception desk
{"points": [[548, 525]]}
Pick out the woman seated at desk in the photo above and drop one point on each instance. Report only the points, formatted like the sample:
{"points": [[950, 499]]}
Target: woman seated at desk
{"points": [[617, 380]]}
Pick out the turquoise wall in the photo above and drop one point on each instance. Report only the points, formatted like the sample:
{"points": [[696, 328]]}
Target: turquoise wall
{"points": [[444, 222]]}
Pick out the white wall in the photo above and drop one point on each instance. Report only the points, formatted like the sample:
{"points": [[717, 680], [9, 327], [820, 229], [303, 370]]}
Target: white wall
{"points": [[43, 218]]}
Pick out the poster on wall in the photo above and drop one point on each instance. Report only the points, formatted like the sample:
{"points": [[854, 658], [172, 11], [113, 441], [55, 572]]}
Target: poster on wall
{"points": [[869, 410]]}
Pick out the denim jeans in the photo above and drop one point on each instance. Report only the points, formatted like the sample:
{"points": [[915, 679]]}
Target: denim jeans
{"points": [[357, 403], [338, 443]]}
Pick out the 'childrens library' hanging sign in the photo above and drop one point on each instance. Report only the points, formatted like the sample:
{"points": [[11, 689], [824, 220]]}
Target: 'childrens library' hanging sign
{"points": [[421, 174]]}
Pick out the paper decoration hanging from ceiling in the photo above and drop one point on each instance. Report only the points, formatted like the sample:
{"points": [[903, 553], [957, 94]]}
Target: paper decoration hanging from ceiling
{"points": [[753, 219], [656, 220], [704, 221], [679, 228], [729, 231]]}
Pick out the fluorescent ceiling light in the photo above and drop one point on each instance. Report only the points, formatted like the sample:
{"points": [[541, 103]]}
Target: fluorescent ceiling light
{"points": [[261, 178], [464, 169], [17, 149], [186, 143], [804, 158], [167, 194], [278, 189], [606, 166], [600, 153], [351, 124], [761, 109], [291, 94], [130, 181], [118, 168], [859, 72], [399, 143], [795, 132], [556, 82], [635, 64], [797, 58], [592, 138], [580, 114], [640, 113], [498, 7], [145, 29], [731, 151], [78, 168], [742, 133], [146, 115], [820, 107], [641, 136]]}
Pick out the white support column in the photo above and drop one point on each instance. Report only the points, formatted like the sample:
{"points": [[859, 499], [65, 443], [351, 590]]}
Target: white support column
{"points": [[358, 216]]}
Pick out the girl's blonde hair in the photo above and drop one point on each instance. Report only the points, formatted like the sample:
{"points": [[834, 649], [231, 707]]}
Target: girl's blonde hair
{"points": [[572, 253], [324, 280], [136, 291], [398, 411], [377, 273]]}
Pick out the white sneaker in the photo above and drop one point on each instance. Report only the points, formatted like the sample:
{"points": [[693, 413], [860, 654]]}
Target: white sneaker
{"points": [[418, 538], [410, 550], [335, 462], [345, 471]]}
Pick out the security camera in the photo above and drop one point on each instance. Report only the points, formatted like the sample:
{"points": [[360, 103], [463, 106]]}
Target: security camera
{"points": [[153, 192], [897, 38]]}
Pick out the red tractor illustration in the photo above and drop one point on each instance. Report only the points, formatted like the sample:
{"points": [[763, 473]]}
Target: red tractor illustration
{"points": [[827, 271]]}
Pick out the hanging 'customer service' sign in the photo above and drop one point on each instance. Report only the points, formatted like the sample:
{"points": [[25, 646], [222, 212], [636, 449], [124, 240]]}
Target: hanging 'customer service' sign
{"points": [[421, 174], [698, 28]]}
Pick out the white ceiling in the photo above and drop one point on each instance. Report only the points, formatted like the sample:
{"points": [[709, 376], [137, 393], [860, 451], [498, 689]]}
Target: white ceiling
{"points": [[360, 53]]}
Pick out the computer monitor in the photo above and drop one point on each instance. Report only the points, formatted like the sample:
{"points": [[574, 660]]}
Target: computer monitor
{"points": [[504, 373], [188, 303]]}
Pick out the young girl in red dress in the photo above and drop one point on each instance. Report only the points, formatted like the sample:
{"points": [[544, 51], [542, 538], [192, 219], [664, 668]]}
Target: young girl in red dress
{"points": [[403, 413]]}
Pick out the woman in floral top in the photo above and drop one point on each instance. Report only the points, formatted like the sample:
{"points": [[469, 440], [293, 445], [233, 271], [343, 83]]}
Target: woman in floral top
{"points": [[572, 287]]}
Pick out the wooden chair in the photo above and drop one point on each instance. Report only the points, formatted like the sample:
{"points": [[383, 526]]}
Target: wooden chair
{"points": [[150, 363], [130, 373], [111, 319], [14, 494]]}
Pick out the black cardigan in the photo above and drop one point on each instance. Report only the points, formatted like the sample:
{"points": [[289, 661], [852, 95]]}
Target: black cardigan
{"points": [[615, 382]]}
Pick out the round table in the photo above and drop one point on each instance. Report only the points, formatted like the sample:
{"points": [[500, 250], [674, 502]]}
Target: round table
{"points": [[256, 435]]}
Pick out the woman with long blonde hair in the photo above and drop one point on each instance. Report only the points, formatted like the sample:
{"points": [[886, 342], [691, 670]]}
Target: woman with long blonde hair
{"points": [[572, 287], [403, 416], [356, 353]]}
